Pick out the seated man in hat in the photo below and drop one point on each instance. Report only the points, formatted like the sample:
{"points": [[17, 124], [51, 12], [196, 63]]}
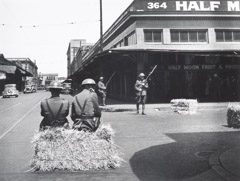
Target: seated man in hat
{"points": [[85, 109], [54, 109]]}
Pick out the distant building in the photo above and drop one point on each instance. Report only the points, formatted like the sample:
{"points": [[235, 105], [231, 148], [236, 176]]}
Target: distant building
{"points": [[30, 66], [76, 49], [47, 78], [12, 73]]}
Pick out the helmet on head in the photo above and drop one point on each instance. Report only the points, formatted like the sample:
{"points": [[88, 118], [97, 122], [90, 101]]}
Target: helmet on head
{"points": [[141, 75], [101, 78], [88, 82], [55, 85]]}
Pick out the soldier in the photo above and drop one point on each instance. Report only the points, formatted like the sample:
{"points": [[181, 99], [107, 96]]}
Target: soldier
{"points": [[85, 109], [102, 90], [141, 87], [54, 109]]}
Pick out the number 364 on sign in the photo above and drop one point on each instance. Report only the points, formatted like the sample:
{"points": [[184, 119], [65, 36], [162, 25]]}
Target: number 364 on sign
{"points": [[157, 5]]}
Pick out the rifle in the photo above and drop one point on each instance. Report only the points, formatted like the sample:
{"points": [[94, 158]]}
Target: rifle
{"points": [[110, 78], [139, 88], [150, 73]]}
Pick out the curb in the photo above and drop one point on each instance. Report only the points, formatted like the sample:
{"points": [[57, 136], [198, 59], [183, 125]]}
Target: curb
{"points": [[216, 165]]}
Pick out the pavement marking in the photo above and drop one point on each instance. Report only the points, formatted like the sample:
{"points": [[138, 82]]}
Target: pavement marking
{"points": [[15, 124], [10, 107]]}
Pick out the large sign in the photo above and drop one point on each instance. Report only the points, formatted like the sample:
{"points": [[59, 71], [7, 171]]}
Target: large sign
{"points": [[204, 67], [187, 6]]}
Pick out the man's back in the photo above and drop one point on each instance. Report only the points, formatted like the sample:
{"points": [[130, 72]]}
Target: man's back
{"points": [[85, 102], [54, 108]]}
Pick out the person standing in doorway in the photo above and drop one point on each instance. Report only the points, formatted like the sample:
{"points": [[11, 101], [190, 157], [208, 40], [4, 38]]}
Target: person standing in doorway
{"points": [[141, 87], [216, 87]]}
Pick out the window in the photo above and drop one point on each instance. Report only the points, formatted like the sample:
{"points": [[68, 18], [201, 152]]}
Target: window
{"points": [[119, 44], [188, 35], [131, 39], [227, 35], [153, 35]]}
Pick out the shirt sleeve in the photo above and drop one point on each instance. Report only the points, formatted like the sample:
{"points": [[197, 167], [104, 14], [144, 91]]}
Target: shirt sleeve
{"points": [[97, 110], [73, 114], [42, 111]]}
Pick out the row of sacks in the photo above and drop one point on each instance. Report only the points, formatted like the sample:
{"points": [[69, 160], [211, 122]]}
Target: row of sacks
{"points": [[73, 150], [233, 115], [190, 106], [184, 106]]}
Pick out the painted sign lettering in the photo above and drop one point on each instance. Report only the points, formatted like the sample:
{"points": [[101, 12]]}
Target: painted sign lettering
{"points": [[188, 6], [203, 67]]}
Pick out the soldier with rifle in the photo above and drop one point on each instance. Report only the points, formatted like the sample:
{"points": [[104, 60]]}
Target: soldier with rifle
{"points": [[141, 87], [102, 91], [102, 88]]}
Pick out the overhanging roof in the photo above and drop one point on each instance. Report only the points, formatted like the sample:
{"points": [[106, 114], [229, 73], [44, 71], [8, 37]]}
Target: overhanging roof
{"points": [[10, 69]]}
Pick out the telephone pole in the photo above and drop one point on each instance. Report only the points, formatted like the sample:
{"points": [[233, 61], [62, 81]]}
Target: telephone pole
{"points": [[101, 28]]}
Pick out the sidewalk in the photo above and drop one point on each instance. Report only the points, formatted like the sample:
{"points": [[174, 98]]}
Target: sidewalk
{"points": [[226, 164], [113, 105]]}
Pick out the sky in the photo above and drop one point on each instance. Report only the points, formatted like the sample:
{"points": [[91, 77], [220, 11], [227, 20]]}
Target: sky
{"points": [[42, 29]]}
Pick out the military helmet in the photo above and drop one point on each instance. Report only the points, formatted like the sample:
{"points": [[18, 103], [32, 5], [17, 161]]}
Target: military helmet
{"points": [[88, 82], [141, 75], [55, 85]]}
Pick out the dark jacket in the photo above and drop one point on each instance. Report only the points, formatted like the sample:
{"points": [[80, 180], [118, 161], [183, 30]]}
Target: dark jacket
{"points": [[54, 110], [88, 105]]}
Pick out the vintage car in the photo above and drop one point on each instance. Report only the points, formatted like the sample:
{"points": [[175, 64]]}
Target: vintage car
{"points": [[10, 90], [29, 89]]}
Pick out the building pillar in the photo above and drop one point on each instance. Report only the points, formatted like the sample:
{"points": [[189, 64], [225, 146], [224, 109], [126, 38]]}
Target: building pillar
{"points": [[142, 60]]}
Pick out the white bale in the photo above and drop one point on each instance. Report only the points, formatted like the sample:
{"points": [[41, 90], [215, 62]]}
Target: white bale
{"points": [[68, 149], [184, 106]]}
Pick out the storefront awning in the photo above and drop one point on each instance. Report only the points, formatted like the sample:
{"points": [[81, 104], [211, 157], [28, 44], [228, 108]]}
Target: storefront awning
{"points": [[10, 69]]}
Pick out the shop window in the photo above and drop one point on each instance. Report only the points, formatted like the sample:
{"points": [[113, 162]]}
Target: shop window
{"points": [[153, 35], [227, 35], [188, 35]]}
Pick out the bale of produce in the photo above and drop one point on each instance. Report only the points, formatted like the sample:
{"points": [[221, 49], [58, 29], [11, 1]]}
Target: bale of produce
{"points": [[233, 115], [184, 106], [68, 149]]}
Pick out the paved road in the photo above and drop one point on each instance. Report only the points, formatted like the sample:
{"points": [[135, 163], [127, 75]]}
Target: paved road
{"points": [[161, 146]]}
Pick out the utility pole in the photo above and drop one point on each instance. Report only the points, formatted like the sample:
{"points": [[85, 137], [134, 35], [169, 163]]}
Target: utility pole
{"points": [[101, 28]]}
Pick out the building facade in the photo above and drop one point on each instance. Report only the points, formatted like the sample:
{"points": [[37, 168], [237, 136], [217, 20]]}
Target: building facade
{"points": [[47, 78], [12, 73], [195, 45], [76, 48], [30, 66]]}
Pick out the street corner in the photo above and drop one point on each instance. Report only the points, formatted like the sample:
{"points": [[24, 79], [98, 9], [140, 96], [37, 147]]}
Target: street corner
{"points": [[226, 164]]}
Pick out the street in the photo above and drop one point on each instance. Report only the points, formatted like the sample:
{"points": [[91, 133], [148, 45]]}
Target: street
{"points": [[161, 146]]}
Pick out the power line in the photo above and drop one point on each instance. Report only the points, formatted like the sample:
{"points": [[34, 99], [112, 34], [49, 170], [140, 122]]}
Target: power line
{"points": [[44, 25]]}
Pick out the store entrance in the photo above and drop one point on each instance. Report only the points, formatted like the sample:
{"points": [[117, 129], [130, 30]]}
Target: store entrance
{"points": [[177, 85]]}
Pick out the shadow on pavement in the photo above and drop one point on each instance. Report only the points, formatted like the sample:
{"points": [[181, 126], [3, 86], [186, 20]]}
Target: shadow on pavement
{"points": [[187, 157]]}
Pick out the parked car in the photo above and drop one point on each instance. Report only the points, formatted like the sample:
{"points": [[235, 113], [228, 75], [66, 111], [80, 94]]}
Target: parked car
{"points": [[30, 89], [10, 90]]}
